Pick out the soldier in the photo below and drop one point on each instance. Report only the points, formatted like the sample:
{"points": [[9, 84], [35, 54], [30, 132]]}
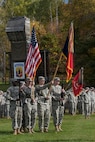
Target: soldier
{"points": [[7, 106], [15, 106], [2, 104], [43, 104], [92, 94], [30, 107], [57, 103], [72, 102], [86, 102], [81, 103]]}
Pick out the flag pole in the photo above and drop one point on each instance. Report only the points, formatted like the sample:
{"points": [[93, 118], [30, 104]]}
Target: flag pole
{"points": [[68, 85], [57, 66], [82, 70], [32, 90], [55, 72]]}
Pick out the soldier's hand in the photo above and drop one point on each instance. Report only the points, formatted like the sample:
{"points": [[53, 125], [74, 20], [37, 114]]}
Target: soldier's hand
{"points": [[61, 99], [52, 82], [18, 99], [33, 100], [47, 98]]}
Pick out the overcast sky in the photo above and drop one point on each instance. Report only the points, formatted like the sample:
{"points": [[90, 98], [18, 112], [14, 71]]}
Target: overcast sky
{"points": [[66, 1]]}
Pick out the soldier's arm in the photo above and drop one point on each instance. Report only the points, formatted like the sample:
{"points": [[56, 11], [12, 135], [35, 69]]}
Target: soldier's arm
{"points": [[8, 96], [38, 87]]}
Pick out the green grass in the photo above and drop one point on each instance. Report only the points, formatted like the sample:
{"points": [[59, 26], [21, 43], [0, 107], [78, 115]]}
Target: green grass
{"points": [[4, 87], [75, 129]]}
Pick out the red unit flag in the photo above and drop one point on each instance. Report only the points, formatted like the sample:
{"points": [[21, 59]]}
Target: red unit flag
{"points": [[77, 83]]}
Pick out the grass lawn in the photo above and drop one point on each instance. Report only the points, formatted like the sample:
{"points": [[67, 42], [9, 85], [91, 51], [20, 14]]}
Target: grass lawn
{"points": [[75, 129]]}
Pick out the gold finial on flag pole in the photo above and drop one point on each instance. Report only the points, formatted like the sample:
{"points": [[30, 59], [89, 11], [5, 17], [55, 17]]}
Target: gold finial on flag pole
{"points": [[33, 21]]}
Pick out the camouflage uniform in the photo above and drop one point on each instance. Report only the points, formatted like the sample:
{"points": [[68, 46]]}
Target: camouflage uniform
{"points": [[86, 103], [43, 105], [2, 104], [57, 105], [7, 107], [30, 107], [15, 107], [92, 93], [72, 102], [81, 103]]}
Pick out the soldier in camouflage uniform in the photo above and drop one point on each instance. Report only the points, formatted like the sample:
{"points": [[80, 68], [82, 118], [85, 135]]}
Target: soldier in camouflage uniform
{"points": [[72, 102], [81, 103], [15, 106], [92, 95], [86, 102], [43, 104], [57, 103], [30, 107]]}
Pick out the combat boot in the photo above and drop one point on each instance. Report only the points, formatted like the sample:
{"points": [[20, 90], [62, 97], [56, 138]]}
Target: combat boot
{"points": [[19, 132], [15, 132], [57, 129], [46, 130], [41, 130], [30, 131]]}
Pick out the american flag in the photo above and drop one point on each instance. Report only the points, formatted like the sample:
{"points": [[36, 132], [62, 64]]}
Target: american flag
{"points": [[33, 57]]}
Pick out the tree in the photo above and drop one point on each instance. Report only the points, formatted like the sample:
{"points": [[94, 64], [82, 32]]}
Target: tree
{"points": [[47, 14]]}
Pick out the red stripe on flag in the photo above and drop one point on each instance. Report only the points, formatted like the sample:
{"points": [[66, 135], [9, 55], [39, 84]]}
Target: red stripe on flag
{"points": [[33, 58]]}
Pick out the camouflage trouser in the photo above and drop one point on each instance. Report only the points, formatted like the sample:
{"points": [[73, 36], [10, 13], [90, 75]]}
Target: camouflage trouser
{"points": [[72, 107], [86, 109], [92, 107], [16, 117], [34, 115], [7, 110], [25, 116], [57, 113], [81, 107], [43, 115], [31, 111], [0, 110]]}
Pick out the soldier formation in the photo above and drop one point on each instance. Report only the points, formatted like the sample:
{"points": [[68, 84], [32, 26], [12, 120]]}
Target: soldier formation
{"points": [[24, 102]]}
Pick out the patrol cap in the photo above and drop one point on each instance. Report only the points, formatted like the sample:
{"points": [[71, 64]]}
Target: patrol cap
{"points": [[87, 88], [57, 78], [28, 79], [1, 92], [14, 80], [92, 88], [22, 82], [41, 78]]}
